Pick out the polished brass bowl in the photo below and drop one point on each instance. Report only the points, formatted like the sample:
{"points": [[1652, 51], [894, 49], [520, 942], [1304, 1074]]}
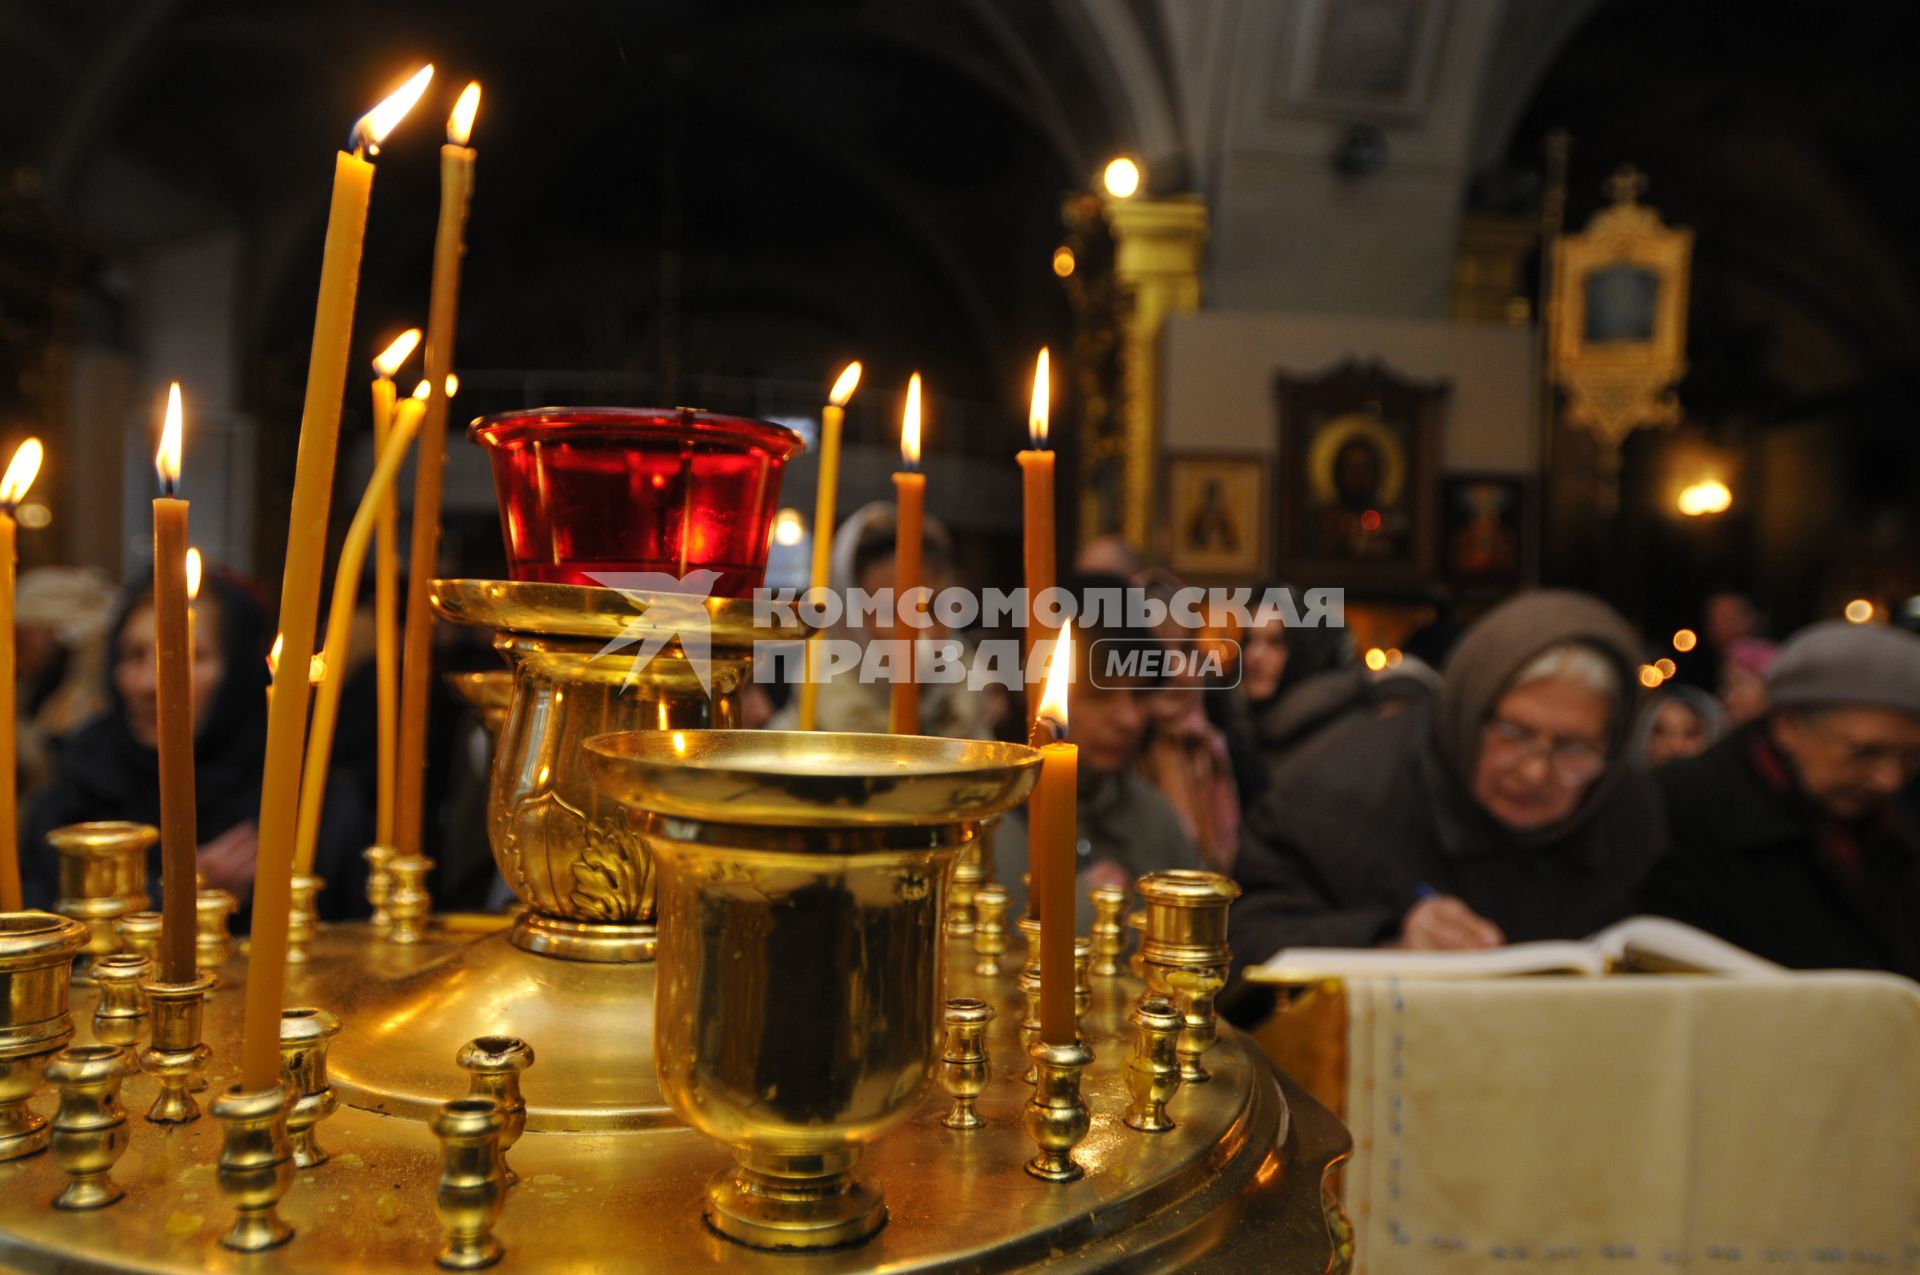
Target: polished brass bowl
{"points": [[802, 883], [813, 778]]}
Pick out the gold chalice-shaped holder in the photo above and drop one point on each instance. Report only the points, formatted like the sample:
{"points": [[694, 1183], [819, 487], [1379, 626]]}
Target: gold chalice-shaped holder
{"points": [[802, 888]]}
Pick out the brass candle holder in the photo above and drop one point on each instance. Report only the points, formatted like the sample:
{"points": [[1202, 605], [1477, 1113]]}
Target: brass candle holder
{"points": [[990, 903], [379, 884], [1193, 994], [37, 950], [1185, 934], [212, 935], [256, 1165], [1029, 984], [90, 1128], [1056, 1117], [771, 847], [1153, 1072], [120, 1015], [963, 1062], [1029, 927], [103, 876], [1109, 938], [409, 905], [303, 917], [473, 1181], [139, 933], [305, 1034], [176, 1055], [493, 1065], [973, 869]]}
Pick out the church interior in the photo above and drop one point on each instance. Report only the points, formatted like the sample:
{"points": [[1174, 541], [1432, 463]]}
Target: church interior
{"points": [[1383, 736]]}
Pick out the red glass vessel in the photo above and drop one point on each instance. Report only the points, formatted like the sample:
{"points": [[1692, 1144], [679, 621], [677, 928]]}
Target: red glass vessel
{"points": [[590, 490]]}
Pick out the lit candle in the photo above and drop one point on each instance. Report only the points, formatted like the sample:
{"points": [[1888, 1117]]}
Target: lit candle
{"points": [[456, 189], [333, 665], [386, 594], [1036, 483], [24, 468], [1052, 818], [910, 496], [823, 515], [300, 582], [173, 657]]}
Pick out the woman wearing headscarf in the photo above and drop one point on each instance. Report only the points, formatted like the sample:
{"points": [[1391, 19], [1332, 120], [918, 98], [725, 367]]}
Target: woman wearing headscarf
{"points": [[1277, 664], [1504, 811], [108, 769], [1681, 721]]}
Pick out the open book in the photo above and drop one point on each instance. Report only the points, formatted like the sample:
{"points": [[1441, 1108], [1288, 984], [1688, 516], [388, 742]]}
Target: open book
{"points": [[1650, 944]]}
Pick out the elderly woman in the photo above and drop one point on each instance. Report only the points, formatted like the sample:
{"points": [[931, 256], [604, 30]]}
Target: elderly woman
{"points": [[1503, 812]]}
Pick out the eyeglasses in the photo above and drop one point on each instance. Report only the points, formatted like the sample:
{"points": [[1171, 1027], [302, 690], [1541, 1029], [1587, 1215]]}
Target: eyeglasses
{"points": [[1573, 761], [1863, 755]]}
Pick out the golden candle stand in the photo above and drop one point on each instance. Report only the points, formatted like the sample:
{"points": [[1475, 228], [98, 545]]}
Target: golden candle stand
{"points": [[762, 865]]}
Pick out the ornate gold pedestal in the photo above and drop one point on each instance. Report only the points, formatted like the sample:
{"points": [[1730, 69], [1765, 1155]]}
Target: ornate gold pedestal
{"points": [[609, 1177]]}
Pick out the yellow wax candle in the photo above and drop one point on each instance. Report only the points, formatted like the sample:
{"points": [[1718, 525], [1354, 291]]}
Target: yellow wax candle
{"points": [[386, 594], [823, 517], [173, 680], [300, 583], [910, 496], [1052, 815], [1036, 488], [416, 668], [21, 472], [333, 668]]}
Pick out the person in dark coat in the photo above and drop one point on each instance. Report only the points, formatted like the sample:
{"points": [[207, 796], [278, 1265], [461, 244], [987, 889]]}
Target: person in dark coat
{"points": [[1502, 811], [1790, 836], [108, 769]]}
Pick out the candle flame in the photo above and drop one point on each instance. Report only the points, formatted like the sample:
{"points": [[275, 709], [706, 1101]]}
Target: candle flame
{"points": [[1053, 699], [21, 472], [453, 385], [460, 123], [910, 425], [1042, 399], [194, 569], [372, 128], [844, 387], [394, 355], [166, 461], [422, 390], [316, 663]]}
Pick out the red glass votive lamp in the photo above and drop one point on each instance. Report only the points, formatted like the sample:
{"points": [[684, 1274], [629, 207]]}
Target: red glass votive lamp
{"points": [[586, 491]]}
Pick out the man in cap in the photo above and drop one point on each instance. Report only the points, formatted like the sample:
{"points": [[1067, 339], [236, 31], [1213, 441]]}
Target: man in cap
{"points": [[1791, 837]]}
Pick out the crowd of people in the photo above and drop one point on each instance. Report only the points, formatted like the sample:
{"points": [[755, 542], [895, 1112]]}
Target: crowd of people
{"points": [[1513, 780]]}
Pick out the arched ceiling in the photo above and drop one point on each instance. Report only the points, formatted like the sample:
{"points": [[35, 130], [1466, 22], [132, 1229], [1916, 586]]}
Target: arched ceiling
{"points": [[755, 188]]}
